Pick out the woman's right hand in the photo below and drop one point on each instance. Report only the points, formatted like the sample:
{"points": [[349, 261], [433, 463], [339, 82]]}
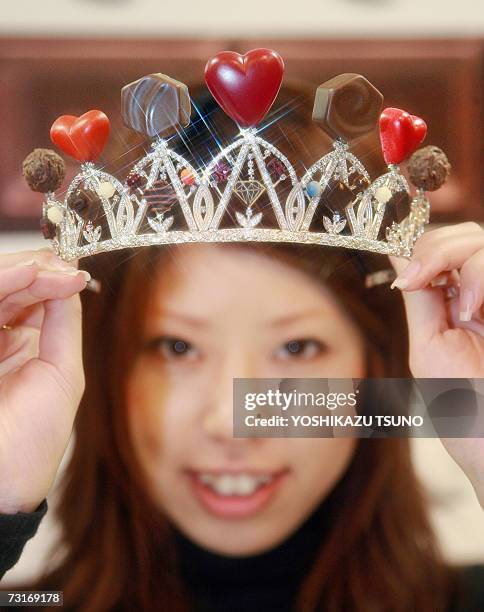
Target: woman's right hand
{"points": [[41, 373]]}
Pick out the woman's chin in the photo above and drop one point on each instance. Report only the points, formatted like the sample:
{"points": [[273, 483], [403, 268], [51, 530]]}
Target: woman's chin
{"points": [[250, 539]]}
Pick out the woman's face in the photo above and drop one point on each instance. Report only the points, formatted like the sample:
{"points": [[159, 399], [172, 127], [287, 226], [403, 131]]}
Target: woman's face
{"points": [[217, 313]]}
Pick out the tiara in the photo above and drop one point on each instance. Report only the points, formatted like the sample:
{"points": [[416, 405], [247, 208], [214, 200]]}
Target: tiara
{"points": [[248, 190]]}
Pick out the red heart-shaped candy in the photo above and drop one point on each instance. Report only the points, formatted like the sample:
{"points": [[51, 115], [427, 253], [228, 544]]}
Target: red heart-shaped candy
{"points": [[245, 86], [81, 137], [400, 134]]}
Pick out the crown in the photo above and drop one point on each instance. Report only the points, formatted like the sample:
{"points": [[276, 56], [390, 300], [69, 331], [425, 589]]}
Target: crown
{"points": [[248, 190]]}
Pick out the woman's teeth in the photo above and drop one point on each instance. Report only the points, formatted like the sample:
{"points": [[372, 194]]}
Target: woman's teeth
{"points": [[234, 484]]}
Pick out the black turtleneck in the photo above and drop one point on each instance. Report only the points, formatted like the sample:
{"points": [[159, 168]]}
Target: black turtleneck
{"points": [[268, 581]]}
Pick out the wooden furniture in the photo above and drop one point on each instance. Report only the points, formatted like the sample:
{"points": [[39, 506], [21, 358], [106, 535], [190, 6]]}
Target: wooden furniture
{"points": [[40, 79]]}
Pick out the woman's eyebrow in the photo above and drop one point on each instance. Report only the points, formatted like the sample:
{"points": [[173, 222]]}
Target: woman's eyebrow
{"points": [[188, 319], [294, 317]]}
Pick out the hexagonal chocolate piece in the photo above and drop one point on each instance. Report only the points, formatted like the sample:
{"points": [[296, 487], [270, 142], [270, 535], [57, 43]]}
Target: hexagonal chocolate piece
{"points": [[155, 104], [347, 106]]}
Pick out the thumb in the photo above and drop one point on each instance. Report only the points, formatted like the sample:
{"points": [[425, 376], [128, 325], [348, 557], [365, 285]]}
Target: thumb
{"points": [[425, 309]]}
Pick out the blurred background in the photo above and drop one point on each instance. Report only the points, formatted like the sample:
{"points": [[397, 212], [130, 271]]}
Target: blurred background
{"points": [[67, 56]]}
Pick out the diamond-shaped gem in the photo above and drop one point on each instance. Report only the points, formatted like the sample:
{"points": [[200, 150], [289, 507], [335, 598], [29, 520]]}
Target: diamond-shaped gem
{"points": [[249, 191]]}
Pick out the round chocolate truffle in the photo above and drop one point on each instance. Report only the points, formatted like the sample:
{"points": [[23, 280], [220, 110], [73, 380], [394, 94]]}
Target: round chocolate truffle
{"points": [[43, 170], [428, 168]]}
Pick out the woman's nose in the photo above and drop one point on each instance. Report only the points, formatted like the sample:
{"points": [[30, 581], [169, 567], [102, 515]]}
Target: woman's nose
{"points": [[218, 413]]}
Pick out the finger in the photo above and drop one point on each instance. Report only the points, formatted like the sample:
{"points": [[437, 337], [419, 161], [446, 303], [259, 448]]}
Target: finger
{"points": [[440, 250], [17, 345], [17, 277], [61, 339], [31, 316], [425, 309], [13, 342], [476, 324], [471, 285], [444, 279], [8, 342], [426, 315], [21, 275], [441, 280], [418, 304], [47, 285], [44, 255]]}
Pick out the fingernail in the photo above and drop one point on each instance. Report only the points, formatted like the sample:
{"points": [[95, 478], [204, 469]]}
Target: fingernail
{"points": [[439, 281], [467, 302], [76, 272], [403, 279], [94, 285], [399, 283]]}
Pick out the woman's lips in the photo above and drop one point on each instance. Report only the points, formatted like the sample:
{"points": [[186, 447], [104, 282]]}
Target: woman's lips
{"points": [[235, 494]]}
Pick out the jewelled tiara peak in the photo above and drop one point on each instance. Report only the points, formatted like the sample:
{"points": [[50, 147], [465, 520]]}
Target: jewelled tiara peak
{"points": [[249, 191]]}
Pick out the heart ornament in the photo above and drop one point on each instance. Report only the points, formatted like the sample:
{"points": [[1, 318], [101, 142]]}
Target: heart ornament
{"points": [[245, 86], [84, 137], [400, 134]]}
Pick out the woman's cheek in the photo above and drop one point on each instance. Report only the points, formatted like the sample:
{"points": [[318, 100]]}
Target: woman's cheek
{"points": [[142, 398], [162, 402]]}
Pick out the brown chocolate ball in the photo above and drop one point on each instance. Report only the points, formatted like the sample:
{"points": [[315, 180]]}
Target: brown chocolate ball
{"points": [[43, 170], [428, 168]]}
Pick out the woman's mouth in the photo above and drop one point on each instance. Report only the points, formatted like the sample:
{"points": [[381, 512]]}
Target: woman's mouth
{"points": [[235, 494]]}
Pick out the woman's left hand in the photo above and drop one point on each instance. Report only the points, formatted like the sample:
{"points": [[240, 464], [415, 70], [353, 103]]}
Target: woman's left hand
{"points": [[446, 336]]}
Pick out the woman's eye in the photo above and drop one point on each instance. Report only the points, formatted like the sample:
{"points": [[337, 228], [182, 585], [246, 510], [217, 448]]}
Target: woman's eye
{"points": [[306, 348], [173, 348]]}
